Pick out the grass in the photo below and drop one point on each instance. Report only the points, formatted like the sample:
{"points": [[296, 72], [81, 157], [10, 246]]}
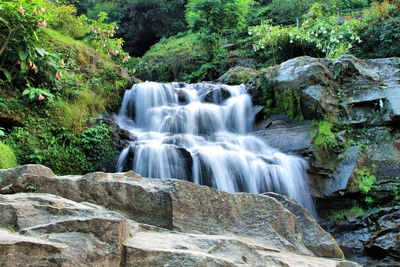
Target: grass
{"points": [[7, 157]]}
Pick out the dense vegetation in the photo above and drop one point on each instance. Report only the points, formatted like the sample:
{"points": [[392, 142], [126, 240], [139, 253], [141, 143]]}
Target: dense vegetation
{"points": [[53, 87]]}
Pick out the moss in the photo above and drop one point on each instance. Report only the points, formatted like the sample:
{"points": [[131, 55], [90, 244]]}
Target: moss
{"points": [[325, 135], [348, 213], [239, 75], [7, 157], [278, 100]]}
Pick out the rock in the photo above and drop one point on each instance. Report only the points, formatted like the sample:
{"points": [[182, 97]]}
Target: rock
{"points": [[53, 230], [9, 176], [361, 91], [345, 170], [217, 95], [152, 246], [169, 204], [372, 239], [238, 75], [295, 138], [311, 102], [305, 224]]}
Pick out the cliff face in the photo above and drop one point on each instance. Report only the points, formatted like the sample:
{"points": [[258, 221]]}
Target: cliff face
{"points": [[342, 115], [122, 219]]}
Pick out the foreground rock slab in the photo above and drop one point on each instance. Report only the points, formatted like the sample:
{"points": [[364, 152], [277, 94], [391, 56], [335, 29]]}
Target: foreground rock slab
{"points": [[67, 221], [50, 229], [152, 246]]}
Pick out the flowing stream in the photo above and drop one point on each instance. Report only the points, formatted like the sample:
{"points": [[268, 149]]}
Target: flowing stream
{"points": [[201, 133]]}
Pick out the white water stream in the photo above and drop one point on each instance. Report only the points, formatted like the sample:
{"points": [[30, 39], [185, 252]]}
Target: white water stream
{"points": [[200, 132]]}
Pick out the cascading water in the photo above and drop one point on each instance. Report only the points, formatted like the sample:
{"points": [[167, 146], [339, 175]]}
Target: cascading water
{"points": [[200, 133]]}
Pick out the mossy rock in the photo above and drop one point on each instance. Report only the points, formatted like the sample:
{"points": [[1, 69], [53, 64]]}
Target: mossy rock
{"points": [[7, 157], [238, 75]]}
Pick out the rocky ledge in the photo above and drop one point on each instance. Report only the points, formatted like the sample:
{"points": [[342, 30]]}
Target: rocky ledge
{"points": [[123, 219]]}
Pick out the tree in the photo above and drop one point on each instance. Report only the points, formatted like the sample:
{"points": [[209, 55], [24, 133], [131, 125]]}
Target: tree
{"points": [[216, 16]]}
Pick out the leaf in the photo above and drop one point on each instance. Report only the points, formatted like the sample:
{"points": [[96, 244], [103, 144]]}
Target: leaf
{"points": [[40, 51], [23, 66], [22, 55], [26, 91], [7, 73]]}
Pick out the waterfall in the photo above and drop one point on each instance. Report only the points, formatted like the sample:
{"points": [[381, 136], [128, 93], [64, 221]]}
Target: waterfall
{"points": [[201, 133]]}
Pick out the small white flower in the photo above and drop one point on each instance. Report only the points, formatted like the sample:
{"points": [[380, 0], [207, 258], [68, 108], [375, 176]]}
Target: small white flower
{"points": [[325, 32], [250, 33], [291, 41], [332, 31], [352, 37]]}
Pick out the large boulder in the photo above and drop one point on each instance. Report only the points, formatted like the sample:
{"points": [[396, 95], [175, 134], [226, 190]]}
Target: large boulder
{"points": [[47, 229], [154, 223], [183, 206]]}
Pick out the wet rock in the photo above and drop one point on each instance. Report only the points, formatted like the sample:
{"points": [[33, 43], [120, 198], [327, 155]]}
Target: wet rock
{"points": [[119, 137], [371, 239], [289, 137], [217, 95], [347, 166], [169, 204]]}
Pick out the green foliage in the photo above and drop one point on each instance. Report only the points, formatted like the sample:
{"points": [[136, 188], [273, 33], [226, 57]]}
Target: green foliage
{"points": [[320, 29], [365, 180], [280, 101], [343, 214], [7, 157], [63, 19], [325, 136], [172, 58], [46, 143], [381, 39], [216, 16], [22, 58]]}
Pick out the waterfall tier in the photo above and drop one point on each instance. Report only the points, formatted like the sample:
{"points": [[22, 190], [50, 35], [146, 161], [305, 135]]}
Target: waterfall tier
{"points": [[200, 133]]}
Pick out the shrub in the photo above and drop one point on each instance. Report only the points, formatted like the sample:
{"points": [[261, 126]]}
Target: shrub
{"points": [[172, 58], [64, 20], [216, 15], [7, 157], [320, 29]]}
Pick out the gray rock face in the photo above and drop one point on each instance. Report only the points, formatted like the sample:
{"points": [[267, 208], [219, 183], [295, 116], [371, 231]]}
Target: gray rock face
{"points": [[360, 91], [295, 138], [344, 172], [375, 234], [190, 223]]}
